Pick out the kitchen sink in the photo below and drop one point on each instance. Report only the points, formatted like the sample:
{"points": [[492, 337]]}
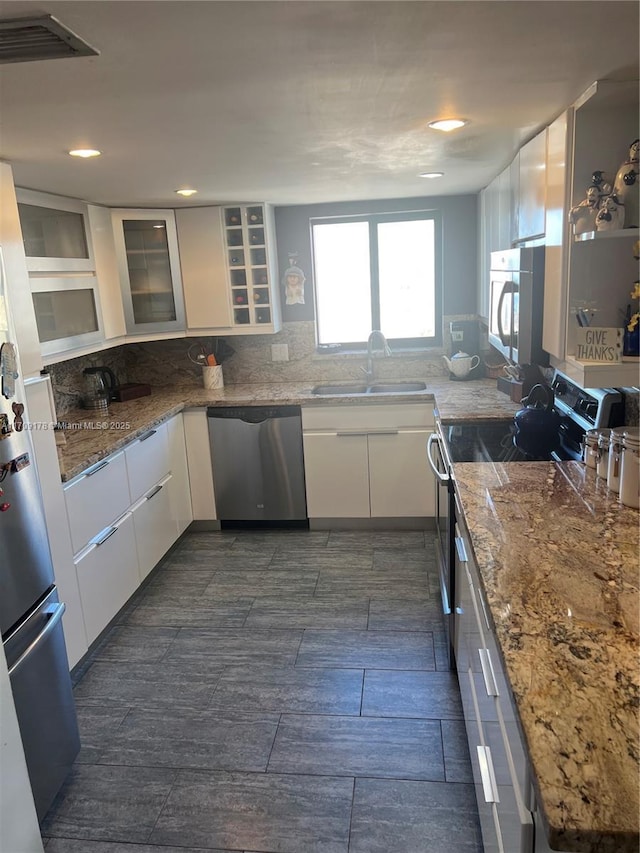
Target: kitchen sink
{"points": [[337, 390], [396, 387], [376, 388]]}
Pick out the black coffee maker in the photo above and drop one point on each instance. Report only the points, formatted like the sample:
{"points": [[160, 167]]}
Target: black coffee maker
{"points": [[465, 337]]}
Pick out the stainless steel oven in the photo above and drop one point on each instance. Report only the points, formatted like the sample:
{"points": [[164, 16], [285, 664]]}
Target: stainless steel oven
{"points": [[445, 522]]}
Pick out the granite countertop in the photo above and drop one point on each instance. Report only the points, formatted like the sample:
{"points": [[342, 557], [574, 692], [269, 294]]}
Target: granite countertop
{"points": [[89, 438], [558, 558]]}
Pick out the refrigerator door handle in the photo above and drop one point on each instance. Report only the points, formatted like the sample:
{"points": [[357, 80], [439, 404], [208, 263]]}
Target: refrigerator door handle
{"points": [[55, 612]]}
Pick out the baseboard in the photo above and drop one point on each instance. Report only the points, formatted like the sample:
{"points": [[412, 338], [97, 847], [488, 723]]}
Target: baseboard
{"points": [[417, 523]]}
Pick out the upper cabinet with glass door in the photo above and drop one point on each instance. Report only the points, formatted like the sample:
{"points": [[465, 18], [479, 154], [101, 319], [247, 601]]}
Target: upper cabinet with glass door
{"points": [[55, 232], [149, 266]]}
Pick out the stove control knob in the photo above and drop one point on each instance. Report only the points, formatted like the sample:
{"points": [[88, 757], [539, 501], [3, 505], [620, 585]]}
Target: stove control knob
{"points": [[4, 507], [589, 408], [561, 387]]}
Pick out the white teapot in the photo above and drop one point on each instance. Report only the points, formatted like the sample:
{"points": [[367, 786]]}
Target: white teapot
{"points": [[461, 364]]}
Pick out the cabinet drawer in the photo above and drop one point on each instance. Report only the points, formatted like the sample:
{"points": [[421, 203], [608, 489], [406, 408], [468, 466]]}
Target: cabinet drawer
{"points": [[370, 416], [155, 529], [96, 498], [147, 460], [107, 575]]}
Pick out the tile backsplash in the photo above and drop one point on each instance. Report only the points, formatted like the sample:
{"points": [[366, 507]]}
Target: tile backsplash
{"points": [[167, 363]]}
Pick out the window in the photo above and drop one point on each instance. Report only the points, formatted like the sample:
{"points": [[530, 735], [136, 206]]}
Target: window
{"points": [[378, 272]]}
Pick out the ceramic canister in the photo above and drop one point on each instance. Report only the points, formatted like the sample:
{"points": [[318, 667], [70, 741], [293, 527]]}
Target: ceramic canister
{"points": [[602, 458], [613, 467], [630, 467], [590, 448]]}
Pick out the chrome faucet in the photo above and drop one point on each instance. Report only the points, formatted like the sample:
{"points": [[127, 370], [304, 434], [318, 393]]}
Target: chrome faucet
{"points": [[369, 370]]}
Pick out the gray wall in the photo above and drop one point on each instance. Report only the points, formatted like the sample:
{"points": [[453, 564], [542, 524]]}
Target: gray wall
{"points": [[459, 235]]}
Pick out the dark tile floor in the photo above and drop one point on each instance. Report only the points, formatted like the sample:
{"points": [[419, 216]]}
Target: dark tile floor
{"points": [[273, 692]]}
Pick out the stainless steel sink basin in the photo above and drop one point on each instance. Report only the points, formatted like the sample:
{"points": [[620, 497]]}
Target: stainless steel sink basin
{"points": [[396, 387], [376, 388], [337, 390]]}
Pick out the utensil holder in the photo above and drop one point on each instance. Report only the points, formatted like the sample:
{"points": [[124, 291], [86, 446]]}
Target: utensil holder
{"points": [[212, 378]]}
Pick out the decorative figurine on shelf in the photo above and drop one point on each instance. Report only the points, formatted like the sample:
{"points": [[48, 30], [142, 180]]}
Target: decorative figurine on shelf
{"points": [[583, 215], [603, 182], [626, 187], [610, 215], [631, 343]]}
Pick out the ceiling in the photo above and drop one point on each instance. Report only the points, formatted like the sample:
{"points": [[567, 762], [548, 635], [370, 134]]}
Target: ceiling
{"points": [[298, 102]]}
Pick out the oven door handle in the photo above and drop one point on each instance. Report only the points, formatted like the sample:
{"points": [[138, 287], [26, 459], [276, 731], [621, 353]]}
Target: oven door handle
{"points": [[435, 439]]}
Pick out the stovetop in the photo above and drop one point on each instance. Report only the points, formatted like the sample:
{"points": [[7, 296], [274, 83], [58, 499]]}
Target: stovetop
{"points": [[579, 410]]}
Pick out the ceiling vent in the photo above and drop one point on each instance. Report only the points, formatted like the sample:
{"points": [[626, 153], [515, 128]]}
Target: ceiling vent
{"points": [[33, 39]]}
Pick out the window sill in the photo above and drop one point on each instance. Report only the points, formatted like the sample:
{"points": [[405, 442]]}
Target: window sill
{"points": [[397, 352]]}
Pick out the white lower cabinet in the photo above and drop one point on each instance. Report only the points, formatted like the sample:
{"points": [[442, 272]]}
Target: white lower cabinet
{"points": [[107, 572], [336, 467], [196, 434], [179, 491], [124, 514], [95, 498], [500, 768], [154, 530], [368, 461], [147, 460]]}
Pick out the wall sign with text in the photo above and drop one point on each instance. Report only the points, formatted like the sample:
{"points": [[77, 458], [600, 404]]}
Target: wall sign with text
{"points": [[599, 344]]}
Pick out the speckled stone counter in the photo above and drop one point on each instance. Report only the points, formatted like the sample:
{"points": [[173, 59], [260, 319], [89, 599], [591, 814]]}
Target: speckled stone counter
{"points": [[89, 438], [558, 557]]}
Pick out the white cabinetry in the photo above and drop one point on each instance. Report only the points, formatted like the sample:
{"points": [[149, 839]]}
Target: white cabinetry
{"points": [[198, 451], [368, 461], [63, 277], [204, 271], [149, 266], [155, 532], [37, 392], [252, 275], [107, 574], [179, 489], [124, 513], [530, 191], [500, 768], [595, 273], [229, 269], [495, 230]]}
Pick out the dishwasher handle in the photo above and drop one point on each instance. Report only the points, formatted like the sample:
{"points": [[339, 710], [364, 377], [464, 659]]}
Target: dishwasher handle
{"points": [[252, 414]]}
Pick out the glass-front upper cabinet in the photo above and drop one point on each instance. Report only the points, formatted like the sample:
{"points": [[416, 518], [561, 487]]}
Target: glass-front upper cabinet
{"points": [[149, 267], [55, 232], [67, 312]]}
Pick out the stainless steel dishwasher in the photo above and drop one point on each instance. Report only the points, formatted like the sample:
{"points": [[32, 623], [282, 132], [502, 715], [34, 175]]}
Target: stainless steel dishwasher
{"points": [[258, 466]]}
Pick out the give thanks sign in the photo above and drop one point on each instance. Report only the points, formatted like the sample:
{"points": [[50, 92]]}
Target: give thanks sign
{"points": [[599, 344]]}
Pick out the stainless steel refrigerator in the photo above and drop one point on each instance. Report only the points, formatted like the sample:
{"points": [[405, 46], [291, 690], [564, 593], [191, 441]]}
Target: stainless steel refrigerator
{"points": [[30, 611]]}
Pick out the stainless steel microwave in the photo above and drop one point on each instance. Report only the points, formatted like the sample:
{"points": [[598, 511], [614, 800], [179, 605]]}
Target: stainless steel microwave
{"points": [[516, 304]]}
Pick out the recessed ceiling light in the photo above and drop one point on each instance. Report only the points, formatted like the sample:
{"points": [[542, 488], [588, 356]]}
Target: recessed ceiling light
{"points": [[448, 124], [85, 152], [431, 175], [186, 193]]}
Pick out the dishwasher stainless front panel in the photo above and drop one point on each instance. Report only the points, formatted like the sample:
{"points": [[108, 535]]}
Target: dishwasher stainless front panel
{"points": [[258, 465]]}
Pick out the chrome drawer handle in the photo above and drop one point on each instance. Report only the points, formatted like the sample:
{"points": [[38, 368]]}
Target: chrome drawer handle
{"points": [[97, 468], [107, 535], [148, 434], [154, 492], [489, 785], [487, 673], [462, 552]]}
